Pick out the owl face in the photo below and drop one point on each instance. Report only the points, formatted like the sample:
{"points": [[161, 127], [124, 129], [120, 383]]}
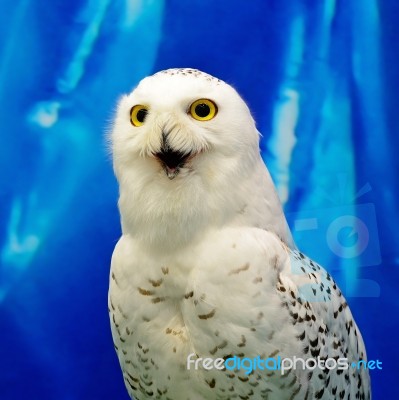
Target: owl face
{"points": [[181, 142], [180, 123]]}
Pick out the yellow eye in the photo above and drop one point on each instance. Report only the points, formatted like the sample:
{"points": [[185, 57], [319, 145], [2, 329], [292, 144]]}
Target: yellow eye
{"points": [[138, 114], [203, 109]]}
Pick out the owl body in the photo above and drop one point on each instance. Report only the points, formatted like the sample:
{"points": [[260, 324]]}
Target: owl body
{"points": [[182, 308], [206, 266]]}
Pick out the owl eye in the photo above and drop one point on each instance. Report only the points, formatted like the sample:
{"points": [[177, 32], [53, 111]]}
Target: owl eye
{"points": [[138, 114], [203, 110]]}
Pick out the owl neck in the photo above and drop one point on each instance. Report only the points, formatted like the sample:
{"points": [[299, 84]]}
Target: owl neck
{"points": [[164, 225], [172, 215]]}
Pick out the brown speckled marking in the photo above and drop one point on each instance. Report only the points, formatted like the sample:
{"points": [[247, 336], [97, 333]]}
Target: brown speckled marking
{"points": [[211, 383], [213, 351], [206, 316], [270, 337], [165, 270], [295, 392], [130, 384], [292, 382], [243, 209], [179, 333], [245, 267], [122, 313], [155, 283], [286, 374], [243, 341], [275, 352], [267, 390], [274, 262], [258, 279], [114, 279], [136, 380], [191, 73], [158, 300], [145, 292]]}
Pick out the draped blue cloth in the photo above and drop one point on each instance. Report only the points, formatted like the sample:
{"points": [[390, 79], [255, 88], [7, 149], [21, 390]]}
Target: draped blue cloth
{"points": [[321, 79]]}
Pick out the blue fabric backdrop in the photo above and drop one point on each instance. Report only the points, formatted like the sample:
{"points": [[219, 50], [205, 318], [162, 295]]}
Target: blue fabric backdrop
{"points": [[321, 77]]}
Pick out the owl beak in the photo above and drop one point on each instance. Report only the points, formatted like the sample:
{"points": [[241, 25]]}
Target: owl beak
{"points": [[172, 161]]}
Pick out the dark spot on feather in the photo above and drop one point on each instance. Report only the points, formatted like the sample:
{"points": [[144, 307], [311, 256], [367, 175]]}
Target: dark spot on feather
{"points": [[145, 292], [158, 300], [245, 267], [301, 336], [214, 350], [156, 283], [207, 316], [211, 383]]}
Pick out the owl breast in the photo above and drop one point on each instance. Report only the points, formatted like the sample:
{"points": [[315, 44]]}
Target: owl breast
{"points": [[165, 308]]}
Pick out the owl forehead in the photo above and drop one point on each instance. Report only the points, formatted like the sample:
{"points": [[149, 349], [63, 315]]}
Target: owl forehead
{"points": [[178, 85], [189, 72]]}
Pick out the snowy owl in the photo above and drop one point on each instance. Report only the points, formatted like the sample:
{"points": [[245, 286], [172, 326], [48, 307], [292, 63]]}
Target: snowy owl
{"points": [[209, 297]]}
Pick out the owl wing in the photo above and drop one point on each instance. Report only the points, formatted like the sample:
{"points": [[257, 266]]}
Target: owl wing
{"points": [[326, 327]]}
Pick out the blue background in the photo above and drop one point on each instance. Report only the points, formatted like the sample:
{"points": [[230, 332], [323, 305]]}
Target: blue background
{"points": [[321, 78]]}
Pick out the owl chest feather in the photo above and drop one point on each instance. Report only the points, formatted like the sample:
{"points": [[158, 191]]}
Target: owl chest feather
{"points": [[165, 308]]}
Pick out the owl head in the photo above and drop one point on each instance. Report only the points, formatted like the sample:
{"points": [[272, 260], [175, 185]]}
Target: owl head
{"points": [[178, 120], [184, 143]]}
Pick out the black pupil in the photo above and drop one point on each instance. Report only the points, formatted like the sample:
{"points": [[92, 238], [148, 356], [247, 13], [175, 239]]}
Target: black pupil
{"points": [[141, 114], [202, 110]]}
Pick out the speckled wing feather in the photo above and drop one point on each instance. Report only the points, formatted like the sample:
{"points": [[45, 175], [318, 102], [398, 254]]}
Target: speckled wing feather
{"points": [[326, 328]]}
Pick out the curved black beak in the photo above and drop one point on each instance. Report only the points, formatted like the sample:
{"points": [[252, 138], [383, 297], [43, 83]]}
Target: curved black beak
{"points": [[172, 160]]}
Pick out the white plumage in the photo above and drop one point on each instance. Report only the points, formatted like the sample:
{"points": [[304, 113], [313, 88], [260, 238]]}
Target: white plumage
{"points": [[206, 263]]}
